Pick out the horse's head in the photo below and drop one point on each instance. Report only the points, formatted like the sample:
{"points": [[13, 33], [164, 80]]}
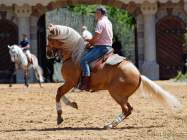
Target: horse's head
{"points": [[51, 52], [13, 53], [53, 30], [53, 44], [52, 49], [67, 40]]}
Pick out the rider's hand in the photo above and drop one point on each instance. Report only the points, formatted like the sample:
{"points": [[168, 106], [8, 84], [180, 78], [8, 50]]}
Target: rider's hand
{"points": [[88, 46], [88, 40]]}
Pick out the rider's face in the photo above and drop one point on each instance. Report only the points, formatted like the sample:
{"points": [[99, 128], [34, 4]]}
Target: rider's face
{"points": [[98, 15]]}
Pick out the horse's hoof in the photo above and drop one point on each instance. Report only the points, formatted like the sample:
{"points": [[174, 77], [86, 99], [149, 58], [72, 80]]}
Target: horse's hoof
{"points": [[41, 86], [59, 120], [74, 105], [10, 85], [109, 126]]}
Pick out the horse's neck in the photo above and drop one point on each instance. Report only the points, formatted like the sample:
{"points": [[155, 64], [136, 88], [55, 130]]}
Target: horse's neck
{"points": [[23, 58], [66, 54], [71, 71], [22, 55]]}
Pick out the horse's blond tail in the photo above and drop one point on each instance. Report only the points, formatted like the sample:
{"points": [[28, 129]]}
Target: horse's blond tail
{"points": [[159, 93]]}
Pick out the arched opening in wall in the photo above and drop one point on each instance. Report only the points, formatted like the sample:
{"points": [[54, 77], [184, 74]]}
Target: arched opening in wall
{"points": [[170, 38], [8, 36], [78, 15], [41, 43]]}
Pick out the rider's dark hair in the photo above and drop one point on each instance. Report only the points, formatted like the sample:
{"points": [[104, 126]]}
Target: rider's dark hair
{"points": [[102, 10]]}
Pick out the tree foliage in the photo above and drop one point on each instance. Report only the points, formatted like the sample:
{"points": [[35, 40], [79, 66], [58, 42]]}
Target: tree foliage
{"points": [[117, 15], [123, 24]]}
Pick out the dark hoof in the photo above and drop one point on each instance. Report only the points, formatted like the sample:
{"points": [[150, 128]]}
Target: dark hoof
{"points": [[27, 85], [59, 120], [74, 105], [40, 85], [10, 85]]}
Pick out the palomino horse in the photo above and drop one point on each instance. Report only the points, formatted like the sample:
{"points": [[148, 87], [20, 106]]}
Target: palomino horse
{"points": [[121, 80], [19, 58]]}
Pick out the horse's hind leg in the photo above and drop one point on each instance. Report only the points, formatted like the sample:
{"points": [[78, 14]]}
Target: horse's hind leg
{"points": [[126, 111], [129, 111], [37, 77]]}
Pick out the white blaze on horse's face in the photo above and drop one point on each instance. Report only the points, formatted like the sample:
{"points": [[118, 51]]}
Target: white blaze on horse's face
{"points": [[12, 58]]}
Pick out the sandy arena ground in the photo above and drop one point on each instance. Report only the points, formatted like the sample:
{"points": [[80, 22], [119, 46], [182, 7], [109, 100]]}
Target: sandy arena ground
{"points": [[30, 114]]}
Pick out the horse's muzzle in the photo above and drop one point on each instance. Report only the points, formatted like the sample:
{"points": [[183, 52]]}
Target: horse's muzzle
{"points": [[50, 53]]}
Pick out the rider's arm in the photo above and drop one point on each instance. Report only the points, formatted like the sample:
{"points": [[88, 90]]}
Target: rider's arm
{"points": [[94, 39], [98, 31], [27, 47]]}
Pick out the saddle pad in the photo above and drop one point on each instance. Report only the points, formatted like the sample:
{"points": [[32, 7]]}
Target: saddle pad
{"points": [[114, 59]]}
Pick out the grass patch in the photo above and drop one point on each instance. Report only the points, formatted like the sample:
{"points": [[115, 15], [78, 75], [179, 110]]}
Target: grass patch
{"points": [[180, 77]]}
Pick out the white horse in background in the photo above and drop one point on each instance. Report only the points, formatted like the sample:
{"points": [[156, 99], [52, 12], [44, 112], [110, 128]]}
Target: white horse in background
{"points": [[20, 59]]}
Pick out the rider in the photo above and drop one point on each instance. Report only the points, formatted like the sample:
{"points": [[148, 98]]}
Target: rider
{"points": [[86, 34], [101, 42], [25, 45]]}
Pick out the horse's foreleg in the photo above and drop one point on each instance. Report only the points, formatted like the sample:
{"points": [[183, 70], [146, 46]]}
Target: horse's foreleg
{"points": [[61, 92], [68, 102], [12, 75], [11, 78], [26, 77]]}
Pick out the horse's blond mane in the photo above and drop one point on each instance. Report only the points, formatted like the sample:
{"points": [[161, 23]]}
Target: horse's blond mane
{"points": [[77, 49]]}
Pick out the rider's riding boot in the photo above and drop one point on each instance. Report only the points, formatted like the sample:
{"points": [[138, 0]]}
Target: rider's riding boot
{"points": [[85, 83]]}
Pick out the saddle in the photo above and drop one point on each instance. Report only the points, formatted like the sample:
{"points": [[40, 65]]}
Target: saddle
{"points": [[99, 63], [108, 58]]}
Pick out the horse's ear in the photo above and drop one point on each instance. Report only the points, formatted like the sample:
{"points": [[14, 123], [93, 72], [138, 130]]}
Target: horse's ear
{"points": [[51, 29], [9, 46], [50, 25]]}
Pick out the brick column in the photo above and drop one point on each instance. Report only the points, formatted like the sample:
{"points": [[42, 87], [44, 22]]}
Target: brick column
{"points": [[150, 67], [185, 6], [140, 40], [33, 34], [23, 17]]}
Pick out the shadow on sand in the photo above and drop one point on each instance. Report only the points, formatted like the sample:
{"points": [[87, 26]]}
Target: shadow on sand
{"points": [[80, 128]]}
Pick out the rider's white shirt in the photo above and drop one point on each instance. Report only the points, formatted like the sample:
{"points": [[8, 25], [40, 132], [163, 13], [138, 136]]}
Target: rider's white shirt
{"points": [[86, 34]]}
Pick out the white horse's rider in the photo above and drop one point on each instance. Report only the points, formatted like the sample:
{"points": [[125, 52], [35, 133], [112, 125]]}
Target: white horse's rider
{"points": [[25, 45]]}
